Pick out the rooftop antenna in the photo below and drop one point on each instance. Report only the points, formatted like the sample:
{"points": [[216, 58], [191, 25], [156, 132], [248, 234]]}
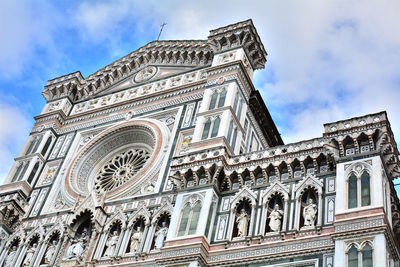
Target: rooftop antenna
{"points": [[162, 27]]}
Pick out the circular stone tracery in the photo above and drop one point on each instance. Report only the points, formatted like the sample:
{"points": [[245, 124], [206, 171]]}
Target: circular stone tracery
{"points": [[121, 169]]}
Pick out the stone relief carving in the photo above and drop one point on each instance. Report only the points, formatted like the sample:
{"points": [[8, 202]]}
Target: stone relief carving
{"points": [[135, 240], [242, 221], [275, 219], [310, 213], [111, 244], [145, 74], [161, 234], [78, 245]]}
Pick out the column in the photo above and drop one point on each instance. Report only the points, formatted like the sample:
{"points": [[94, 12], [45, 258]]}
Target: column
{"points": [[146, 229], [252, 220], [149, 238], [319, 209], [285, 215], [39, 253]]}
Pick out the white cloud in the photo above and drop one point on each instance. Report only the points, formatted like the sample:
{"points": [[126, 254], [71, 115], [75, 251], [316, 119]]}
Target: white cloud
{"points": [[331, 59], [13, 132]]}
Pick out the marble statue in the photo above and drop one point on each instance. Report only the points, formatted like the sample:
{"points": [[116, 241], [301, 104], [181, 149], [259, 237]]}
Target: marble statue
{"points": [[51, 249], [160, 236], [29, 255], [242, 221], [275, 219], [77, 246], [135, 240], [310, 213], [11, 257], [111, 244]]}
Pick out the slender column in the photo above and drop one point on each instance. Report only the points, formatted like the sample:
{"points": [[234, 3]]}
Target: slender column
{"points": [[3, 255], [261, 231], [141, 245], [120, 239], [231, 223], [149, 238], [38, 254], [297, 215], [285, 215], [252, 220], [125, 241], [20, 255], [100, 246], [319, 209], [43, 141], [29, 169], [58, 250]]}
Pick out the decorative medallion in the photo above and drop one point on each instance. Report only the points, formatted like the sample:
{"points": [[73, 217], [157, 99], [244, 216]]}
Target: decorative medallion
{"points": [[120, 169], [145, 74]]}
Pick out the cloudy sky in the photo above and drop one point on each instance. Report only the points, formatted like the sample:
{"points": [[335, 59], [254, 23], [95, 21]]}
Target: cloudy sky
{"points": [[328, 60]]}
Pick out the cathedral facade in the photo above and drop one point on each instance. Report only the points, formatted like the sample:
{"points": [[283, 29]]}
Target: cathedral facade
{"points": [[169, 157]]}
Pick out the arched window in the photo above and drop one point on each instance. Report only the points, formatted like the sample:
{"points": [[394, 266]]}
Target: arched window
{"points": [[33, 172], [46, 146], [365, 190], [352, 192], [352, 257], [189, 219], [366, 253], [359, 190], [213, 100], [206, 129], [215, 128], [222, 96]]}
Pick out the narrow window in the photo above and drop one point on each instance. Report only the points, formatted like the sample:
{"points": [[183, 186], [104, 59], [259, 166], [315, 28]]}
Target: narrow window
{"points": [[189, 220], [365, 190], [239, 113], [221, 101], [246, 125], [352, 260], [206, 129], [17, 171], [46, 146], [23, 171], [31, 144], [235, 102], [234, 139], [33, 172], [367, 256], [184, 220], [194, 219], [213, 100], [352, 192], [37, 144], [215, 128], [230, 131]]}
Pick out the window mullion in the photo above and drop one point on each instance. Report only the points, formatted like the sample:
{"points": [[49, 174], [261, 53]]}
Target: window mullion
{"points": [[189, 221], [359, 192]]}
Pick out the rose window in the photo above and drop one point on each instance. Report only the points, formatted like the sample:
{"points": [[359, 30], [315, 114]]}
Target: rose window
{"points": [[121, 168]]}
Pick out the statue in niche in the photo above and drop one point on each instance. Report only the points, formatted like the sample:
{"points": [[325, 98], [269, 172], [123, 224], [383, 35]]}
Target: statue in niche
{"points": [[29, 255], [77, 246], [275, 219], [111, 244], [51, 249], [135, 240], [310, 213], [160, 236], [242, 221], [9, 262]]}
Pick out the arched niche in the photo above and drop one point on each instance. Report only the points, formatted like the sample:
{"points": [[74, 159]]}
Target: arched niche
{"points": [[309, 188], [244, 201], [277, 193]]}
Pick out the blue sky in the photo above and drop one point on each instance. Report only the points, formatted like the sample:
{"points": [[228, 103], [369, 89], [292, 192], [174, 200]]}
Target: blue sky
{"points": [[328, 60]]}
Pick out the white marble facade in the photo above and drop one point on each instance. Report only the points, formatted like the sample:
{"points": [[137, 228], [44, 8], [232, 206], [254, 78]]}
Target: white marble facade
{"points": [[168, 157]]}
